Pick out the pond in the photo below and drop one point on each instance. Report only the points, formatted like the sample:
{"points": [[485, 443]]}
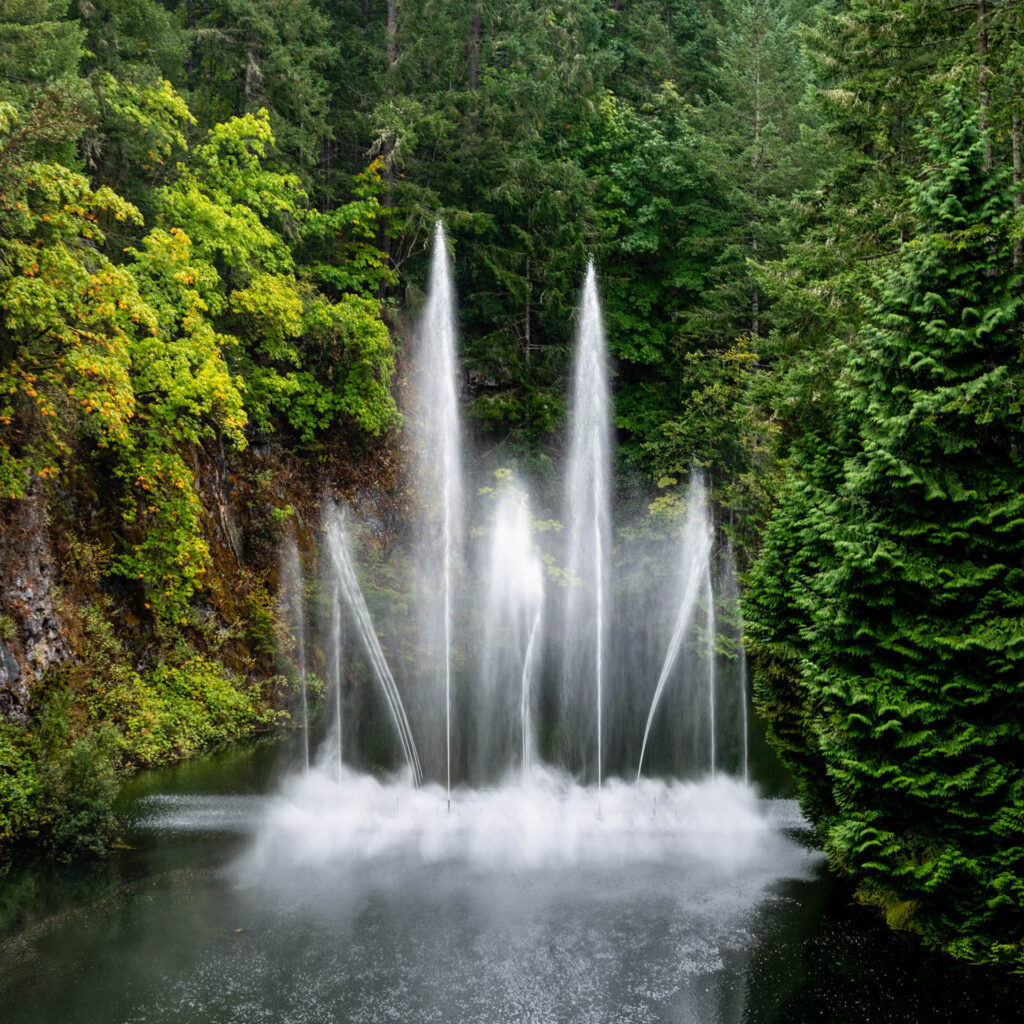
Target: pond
{"points": [[250, 892]]}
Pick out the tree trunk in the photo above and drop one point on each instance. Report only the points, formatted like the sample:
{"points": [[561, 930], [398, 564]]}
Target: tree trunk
{"points": [[755, 298], [474, 51], [328, 154], [529, 292], [391, 52], [755, 174], [387, 200], [190, 24]]}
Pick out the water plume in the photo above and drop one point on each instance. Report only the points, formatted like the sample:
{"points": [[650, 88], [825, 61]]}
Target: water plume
{"points": [[511, 643], [694, 568], [336, 535], [293, 600], [588, 514], [440, 470]]}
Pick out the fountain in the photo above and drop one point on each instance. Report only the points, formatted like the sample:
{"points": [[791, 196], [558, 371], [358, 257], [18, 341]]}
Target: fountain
{"points": [[741, 677], [495, 677], [695, 561], [731, 598], [348, 586], [511, 641], [440, 474], [588, 515], [334, 655], [293, 600], [552, 888], [710, 656]]}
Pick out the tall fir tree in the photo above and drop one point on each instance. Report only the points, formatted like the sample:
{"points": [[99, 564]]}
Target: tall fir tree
{"points": [[248, 55], [40, 53], [887, 608]]}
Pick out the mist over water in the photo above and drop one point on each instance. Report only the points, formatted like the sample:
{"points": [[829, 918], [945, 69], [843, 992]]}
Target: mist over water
{"points": [[364, 899], [717, 828], [319, 900]]}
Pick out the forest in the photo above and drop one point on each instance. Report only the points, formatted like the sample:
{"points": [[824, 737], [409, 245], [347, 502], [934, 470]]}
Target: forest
{"points": [[808, 223]]}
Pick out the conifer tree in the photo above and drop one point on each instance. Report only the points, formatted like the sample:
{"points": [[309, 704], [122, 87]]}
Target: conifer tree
{"points": [[40, 51], [886, 608], [249, 55], [759, 118]]}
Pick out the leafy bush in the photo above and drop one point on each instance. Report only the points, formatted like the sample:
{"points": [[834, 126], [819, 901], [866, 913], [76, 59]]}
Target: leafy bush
{"points": [[172, 711], [101, 718], [19, 782], [56, 789]]}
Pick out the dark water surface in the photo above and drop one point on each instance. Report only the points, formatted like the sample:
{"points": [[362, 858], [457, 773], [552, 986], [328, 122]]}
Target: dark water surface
{"points": [[188, 925]]}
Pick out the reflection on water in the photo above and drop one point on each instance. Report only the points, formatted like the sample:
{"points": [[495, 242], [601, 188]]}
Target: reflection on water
{"points": [[359, 901]]}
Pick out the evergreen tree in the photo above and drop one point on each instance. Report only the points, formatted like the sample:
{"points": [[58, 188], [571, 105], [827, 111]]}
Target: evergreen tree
{"points": [[874, 65], [762, 129], [249, 55], [886, 608], [40, 51], [39, 48], [134, 51]]}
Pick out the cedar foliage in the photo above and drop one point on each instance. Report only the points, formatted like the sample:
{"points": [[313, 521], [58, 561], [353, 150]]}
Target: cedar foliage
{"points": [[887, 607]]}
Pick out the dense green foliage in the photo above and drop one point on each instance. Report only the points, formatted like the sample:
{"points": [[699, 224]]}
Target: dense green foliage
{"points": [[809, 244], [133, 344], [885, 609], [93, 721]]}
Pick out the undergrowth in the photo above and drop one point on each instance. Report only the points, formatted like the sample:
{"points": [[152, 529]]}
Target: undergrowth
{"points": [[95, 721]]}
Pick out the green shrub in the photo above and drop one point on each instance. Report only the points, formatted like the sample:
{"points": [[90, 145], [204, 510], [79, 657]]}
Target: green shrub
{"points": [[58, 772], [56, 789], [19, 781], [78, 797], [170, 712]]}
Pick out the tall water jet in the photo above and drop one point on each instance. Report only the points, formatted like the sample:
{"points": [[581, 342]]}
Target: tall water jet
{"points": [[348, 584], [694, 565], [335, 673], [526, 691], [744, 723], [588, 515], [737, 705], [293, 599], [709, 641], [440, 470], [512, 628]]}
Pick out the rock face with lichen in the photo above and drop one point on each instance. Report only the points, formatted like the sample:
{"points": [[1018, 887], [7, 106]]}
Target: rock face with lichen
{"points": [[57, 549], [28, 571], [94, 684]]}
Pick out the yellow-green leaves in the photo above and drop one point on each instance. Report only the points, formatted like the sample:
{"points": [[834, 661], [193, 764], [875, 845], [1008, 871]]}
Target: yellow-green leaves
{"points": [[199, 327], [122, 357], [69, 318], [230, 205], [270, 312]]}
